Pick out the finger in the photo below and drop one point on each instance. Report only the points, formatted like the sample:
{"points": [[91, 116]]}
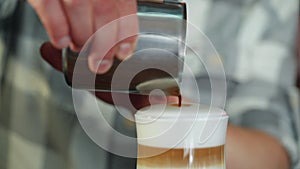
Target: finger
{"points": [[98, 61], [52, 55], [79, 14], [128, 28], [105, 38], [54, 20]]}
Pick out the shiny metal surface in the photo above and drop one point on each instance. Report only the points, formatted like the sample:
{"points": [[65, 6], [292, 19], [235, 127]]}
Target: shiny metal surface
{"points": [[159, 52]]}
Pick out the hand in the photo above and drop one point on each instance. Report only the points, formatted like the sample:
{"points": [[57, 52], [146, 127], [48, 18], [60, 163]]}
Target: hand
{"points": [[70, 23]]}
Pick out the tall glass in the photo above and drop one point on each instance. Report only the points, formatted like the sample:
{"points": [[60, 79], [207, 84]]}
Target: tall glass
{"points": [[190, 136]]}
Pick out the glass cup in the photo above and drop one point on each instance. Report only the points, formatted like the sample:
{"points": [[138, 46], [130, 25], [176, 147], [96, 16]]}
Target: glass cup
{"points": [[190, 136]]}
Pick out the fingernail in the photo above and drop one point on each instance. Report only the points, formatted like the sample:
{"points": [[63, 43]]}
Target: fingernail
{"points": [[64, 42], [125, 50], [102, 66]]}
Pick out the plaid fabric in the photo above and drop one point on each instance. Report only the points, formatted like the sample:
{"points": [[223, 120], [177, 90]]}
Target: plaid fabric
{"points": [[298, 53], [256, 40]]}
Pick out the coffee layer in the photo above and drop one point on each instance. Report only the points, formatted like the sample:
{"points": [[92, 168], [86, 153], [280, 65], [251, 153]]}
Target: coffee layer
{"points": [[212, 157]]}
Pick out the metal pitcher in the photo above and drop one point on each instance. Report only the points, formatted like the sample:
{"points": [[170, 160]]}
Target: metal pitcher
{"points": [[157, 62]]}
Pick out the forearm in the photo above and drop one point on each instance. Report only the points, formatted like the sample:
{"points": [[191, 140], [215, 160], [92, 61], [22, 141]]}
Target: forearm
{"points": [[248, 149]]}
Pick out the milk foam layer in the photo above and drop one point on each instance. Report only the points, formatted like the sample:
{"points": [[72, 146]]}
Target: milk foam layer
{"points": [[210, 167], [192, 125]]}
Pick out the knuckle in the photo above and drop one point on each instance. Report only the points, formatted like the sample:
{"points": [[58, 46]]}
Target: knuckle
{"points": [[59, 28], [45, 3], [75, 3], [104, 8], [39, 4]]}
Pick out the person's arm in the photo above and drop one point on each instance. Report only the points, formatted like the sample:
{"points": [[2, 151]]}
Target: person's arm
{"points": [[261, 106], [256, 41], [261, 100], [249, 148]]}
